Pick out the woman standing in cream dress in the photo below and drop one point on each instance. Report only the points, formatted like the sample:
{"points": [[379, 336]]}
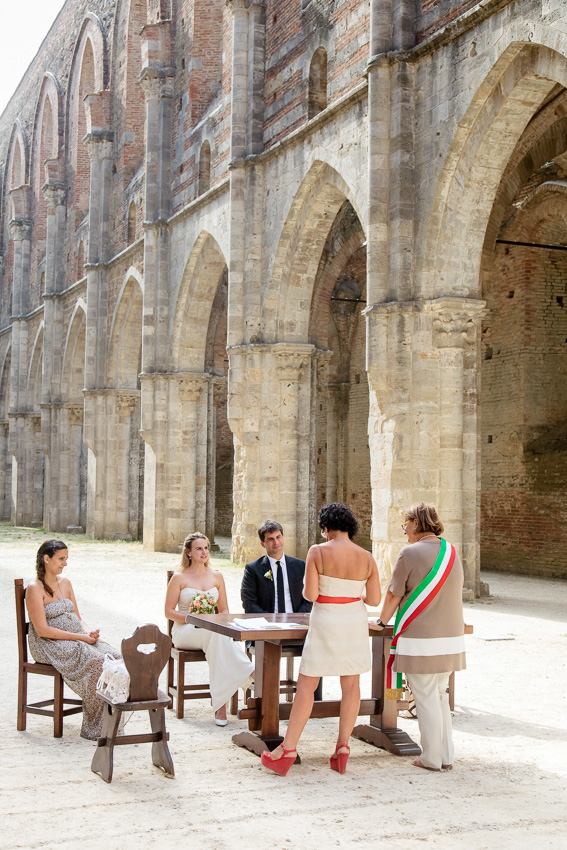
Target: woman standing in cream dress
{"points": [[339, 578], [229, 667]]}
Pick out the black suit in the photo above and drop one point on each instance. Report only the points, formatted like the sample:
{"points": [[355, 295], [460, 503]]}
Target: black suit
{"points": [[258, 592]]}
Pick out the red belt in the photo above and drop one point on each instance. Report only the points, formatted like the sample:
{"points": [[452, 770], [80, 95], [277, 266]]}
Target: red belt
{"points": [[338, 599]]}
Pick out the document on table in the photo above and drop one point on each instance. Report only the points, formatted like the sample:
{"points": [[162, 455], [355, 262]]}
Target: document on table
{"points": [[261, 624]]}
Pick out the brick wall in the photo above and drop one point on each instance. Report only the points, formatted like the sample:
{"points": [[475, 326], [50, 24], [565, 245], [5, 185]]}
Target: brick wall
{"points": [[524, 411]]}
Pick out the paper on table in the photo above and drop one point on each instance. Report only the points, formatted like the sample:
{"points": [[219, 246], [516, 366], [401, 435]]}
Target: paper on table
{"points": [[261, 623]]}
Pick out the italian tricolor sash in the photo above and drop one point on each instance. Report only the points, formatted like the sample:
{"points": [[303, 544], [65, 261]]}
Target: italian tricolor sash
{"points": [[420, 598]]}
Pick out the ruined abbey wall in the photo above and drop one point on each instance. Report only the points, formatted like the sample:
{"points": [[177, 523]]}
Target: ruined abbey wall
{"points": [[261, 254]]}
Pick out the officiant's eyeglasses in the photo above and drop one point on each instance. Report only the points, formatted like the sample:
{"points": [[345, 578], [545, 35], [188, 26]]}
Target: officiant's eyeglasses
{"points": [[407, 522]]}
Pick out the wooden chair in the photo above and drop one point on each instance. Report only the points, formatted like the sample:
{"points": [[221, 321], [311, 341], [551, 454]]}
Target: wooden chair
{"points": [[144, 670], [176, 687], [59, 701]]}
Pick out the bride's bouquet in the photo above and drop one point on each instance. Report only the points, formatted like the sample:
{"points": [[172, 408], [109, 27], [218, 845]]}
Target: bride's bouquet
{"points": [[203, 603]]}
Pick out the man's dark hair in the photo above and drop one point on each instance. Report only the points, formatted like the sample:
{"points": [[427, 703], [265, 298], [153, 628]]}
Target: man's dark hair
{"points": [[337, 517], [268, 526]]}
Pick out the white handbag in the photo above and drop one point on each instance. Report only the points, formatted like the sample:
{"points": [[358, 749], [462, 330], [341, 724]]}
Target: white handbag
{"points": [[114, 681]]}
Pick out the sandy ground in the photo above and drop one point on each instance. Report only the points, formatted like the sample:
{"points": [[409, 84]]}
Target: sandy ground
{"points": [[508, 788]]}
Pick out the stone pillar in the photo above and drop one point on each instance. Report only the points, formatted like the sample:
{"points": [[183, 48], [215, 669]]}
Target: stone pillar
{"points": [[157, 80], [175, 409], [53, 347], [269, 410], [99, 146], [422, 374], [110, 433], [456, 336], [5, 464]]}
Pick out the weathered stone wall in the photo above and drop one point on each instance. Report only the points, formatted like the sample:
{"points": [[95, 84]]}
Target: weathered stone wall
{"points": [[267, 237]]}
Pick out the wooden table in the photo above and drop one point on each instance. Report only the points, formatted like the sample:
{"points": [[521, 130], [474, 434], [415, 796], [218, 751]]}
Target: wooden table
{"points": [[264, 710]]}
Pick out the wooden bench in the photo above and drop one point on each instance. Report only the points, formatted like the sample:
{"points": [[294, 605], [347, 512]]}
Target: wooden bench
{"points": [[58, 702]]}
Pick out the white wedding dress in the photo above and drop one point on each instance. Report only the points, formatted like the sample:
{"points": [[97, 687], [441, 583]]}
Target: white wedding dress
{"points": [[229, 666]]}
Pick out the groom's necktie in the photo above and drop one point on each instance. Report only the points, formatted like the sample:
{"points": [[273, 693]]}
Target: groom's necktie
{"points": [[279, 585]]}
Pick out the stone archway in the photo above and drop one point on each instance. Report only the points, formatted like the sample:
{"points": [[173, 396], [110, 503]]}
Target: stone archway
{"points": [[342, 465], [524, 362]]}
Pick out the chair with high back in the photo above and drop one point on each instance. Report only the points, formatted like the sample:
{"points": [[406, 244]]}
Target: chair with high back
{"points": [[145, 655], [176, 687], [25, 667]]}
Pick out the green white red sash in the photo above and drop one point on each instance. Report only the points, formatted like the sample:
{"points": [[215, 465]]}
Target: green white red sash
{"points": [[419, 599]]}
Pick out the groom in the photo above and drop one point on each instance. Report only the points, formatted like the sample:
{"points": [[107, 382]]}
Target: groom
{"points": [[274, 582]]}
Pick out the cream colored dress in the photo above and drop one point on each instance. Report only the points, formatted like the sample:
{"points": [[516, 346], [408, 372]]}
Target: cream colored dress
{"points": [[229, 666], [337, 643]]}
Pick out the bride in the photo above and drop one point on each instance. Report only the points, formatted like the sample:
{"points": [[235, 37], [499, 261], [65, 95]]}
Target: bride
{"points": [[229, 667]]}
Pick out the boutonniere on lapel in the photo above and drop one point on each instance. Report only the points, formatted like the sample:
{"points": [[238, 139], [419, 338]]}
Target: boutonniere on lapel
{"points": [[269, 575]]}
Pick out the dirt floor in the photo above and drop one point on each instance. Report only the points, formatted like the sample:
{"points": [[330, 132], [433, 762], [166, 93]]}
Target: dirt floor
{"points": [[508, 788]]}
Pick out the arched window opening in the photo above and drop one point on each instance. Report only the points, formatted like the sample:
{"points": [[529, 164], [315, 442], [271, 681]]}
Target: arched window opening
{"points": [[205, 168], [131, 223], [317, 98]]}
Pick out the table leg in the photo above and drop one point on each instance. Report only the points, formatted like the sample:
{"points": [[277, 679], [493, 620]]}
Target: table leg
{"points": [[264, 727], [382, 730]]}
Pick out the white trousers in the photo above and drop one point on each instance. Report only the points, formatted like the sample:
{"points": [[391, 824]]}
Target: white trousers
{"points": [[434, 717], [229, 666]]}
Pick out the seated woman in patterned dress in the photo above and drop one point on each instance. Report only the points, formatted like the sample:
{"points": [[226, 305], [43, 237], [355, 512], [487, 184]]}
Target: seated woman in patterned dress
{"points": [[58, 635]]}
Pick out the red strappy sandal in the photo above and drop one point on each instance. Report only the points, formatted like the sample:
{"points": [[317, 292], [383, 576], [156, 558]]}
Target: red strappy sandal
{"points": [[281, 765], [338, 761]]}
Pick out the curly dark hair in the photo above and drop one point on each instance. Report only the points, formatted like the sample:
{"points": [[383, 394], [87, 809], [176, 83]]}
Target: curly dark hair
{"points": [[49, 548], [337, 517]]}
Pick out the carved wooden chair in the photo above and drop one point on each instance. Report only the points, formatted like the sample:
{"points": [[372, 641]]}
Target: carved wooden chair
{"points": [[58, 710], [176, 687], [144, 669]]}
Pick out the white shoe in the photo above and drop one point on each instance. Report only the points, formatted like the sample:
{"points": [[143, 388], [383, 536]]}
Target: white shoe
{"points": [[220, 722]]}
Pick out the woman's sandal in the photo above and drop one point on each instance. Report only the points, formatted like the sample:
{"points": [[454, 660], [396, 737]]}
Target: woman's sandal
{"points": [[338, 761], [419, 763], [281, 765]]}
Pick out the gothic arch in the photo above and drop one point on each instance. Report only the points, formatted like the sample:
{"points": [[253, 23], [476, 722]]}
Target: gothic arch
{"points": [[198, 288], [5, 384], [511, 93], [73, 372], [89, 75], [125, 344], [311, 215], [35, 371], [128, 97]]}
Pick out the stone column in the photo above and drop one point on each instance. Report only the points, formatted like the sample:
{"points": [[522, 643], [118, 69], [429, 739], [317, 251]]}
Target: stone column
{"points": [[175, 431], [456, 336], [111, 420], [53, 345], [5, 464], [269, 409], [99, 146], [423, 422]]}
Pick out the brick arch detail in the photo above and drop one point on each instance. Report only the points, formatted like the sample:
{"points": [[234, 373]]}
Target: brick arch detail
{"points": [[310, 218], [125, 338], [199, 284], [487, 135], [76, 332]]}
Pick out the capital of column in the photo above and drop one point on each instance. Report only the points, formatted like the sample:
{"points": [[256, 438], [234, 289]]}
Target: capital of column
{"points": [[292, 359], [126, 402], [191, 389], [99, 145], [157, 83], [20, 229], [54, 194], [238, 5]]}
